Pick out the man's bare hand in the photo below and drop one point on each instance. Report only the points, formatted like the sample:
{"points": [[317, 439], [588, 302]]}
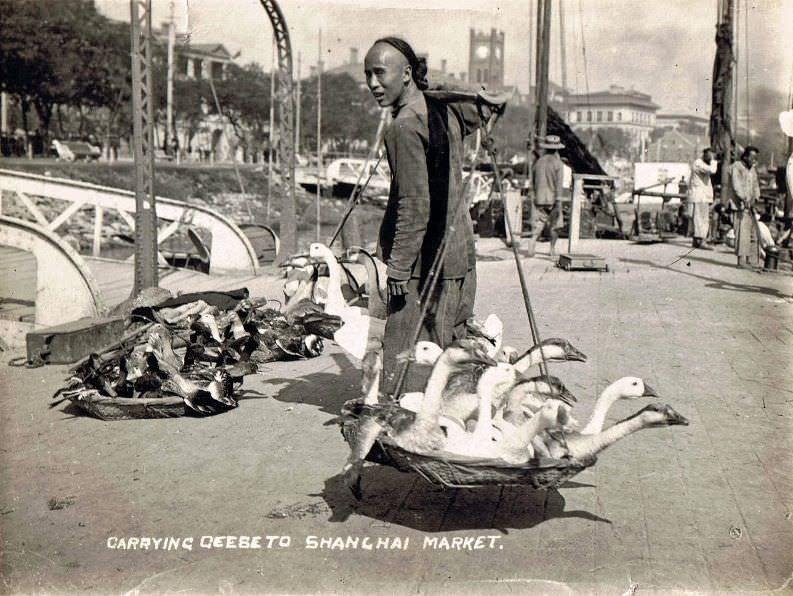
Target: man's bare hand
{"points": [[397, 287]]}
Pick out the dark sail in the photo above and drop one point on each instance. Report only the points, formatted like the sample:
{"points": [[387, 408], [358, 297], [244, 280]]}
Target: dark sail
{"points": [[721, 133]]}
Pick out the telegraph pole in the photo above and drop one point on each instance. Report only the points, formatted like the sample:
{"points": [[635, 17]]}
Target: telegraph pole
{"points": [[169, 128], [544, 30], [562, 50], [143, 145], [297, 106], [271, 136]]}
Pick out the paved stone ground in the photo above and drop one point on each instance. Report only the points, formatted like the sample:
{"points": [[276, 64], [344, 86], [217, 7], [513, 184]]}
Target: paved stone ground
{"points": [[706, 507]]}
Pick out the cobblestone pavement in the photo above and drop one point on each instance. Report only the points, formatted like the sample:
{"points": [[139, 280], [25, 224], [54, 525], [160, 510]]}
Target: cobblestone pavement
{"points": [[705, 507]]}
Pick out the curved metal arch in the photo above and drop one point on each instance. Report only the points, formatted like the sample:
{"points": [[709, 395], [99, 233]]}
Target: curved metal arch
{"points": [[65, 288], [231, 251], [286, 134]]}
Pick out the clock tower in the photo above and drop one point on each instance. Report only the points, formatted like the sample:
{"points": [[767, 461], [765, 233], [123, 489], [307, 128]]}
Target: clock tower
{"points": [[486, 59]]}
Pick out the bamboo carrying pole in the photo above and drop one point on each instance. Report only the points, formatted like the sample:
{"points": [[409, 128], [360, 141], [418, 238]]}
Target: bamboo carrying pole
{"points": [[358, 189], [535, 335], [319, 127]]}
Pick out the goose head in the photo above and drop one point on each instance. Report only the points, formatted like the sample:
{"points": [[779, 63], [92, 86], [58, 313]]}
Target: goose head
{"points": [[657, 415], [632, 388], [319, 252], [464, 352], [457, 356], [556, 349], [550, 387], [424, 352], [508, 354]]}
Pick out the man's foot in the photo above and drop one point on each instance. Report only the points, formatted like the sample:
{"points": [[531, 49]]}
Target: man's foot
{"points": [[705, 246]]}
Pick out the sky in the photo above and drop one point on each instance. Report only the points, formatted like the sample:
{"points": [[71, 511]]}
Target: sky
{"points": [[661, 47]]}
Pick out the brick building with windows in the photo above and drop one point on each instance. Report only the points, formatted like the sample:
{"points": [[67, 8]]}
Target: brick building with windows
{"points": [[626, 109], [196, 60]]}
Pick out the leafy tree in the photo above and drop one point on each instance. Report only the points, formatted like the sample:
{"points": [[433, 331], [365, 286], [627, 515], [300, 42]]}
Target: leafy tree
{"points": [[244, 97], [62, 53], [348, 111]]}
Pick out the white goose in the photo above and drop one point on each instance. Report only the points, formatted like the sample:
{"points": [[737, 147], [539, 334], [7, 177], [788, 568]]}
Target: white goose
{"points": [[624, 388], [582, 446], [360, 332], [490, 332], [508, 442], [552, 349], [461, 404]]}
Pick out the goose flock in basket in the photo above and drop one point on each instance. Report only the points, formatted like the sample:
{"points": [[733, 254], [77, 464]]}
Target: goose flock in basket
{"points": [[483, 401]]}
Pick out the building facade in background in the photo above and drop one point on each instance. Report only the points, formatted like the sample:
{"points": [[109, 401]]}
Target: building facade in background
{"points": [[626, 109], [686, 123]]}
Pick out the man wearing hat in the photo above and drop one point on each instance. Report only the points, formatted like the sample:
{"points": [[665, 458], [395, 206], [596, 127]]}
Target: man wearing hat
{"points": [[548, 178]]}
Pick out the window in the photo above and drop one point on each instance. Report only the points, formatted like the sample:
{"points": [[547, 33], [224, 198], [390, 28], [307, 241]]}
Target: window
{"points": [[589, 116], [216, 70], [619, 116], [600, 116], [578, 117], [610, 116], [485, 76], [198, 68]]}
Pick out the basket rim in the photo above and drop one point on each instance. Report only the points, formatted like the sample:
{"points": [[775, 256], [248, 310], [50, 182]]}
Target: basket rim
{"points": [[486, 463]]}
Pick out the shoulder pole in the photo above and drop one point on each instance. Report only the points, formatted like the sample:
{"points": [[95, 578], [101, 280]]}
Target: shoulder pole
{"points": [[535, 336]]}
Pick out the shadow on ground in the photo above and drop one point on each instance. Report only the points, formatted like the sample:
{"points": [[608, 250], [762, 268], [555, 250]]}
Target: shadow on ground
{"points": [[397, 499], [712, 282], [327, 389]]}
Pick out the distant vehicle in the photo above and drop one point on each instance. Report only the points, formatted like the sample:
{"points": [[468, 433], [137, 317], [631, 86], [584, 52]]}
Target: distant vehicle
{"points": [[342, 174], [76, 150], [345, 172]]}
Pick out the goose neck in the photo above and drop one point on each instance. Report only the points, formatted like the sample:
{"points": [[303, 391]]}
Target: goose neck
{"points": [[594, 444], [433, 392], [335, 296], [601, 409]]}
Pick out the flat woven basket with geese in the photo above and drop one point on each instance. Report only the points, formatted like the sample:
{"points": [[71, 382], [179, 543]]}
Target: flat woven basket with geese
{"points": [[454, 471]]}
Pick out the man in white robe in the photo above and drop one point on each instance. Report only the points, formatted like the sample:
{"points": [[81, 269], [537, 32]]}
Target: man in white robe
{"points": [[700, 195]]}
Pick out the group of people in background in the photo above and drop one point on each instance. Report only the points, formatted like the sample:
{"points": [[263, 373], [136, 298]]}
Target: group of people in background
{"points": [[751, 236]]}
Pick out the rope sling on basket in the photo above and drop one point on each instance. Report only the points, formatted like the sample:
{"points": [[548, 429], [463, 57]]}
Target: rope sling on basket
{"points": [[465, 471]]}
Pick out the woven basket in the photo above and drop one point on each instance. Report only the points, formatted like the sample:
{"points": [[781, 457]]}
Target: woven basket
{"points": [[455, 471], [121, 408]]}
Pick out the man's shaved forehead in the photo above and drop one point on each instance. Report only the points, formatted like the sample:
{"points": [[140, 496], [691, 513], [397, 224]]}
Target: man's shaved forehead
{"points": [[385, 53]]}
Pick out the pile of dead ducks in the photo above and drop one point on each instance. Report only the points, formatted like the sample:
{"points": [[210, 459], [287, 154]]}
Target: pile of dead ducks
{"points": [[191, 358], [484, 402]]}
